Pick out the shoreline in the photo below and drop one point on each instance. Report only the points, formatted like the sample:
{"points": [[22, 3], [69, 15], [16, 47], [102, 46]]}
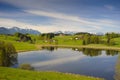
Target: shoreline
{"points": [[87, 46], [73, 46]]}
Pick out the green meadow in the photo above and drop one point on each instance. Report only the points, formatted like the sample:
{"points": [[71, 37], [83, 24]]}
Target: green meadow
{"points": [[18, 74], [62, 41]]}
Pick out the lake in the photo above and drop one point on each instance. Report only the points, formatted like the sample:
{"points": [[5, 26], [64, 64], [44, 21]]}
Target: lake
{"points": [[90, 62]]}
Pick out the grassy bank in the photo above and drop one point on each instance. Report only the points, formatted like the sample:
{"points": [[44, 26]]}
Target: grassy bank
{"points": [[92, 46], [17, 74]]}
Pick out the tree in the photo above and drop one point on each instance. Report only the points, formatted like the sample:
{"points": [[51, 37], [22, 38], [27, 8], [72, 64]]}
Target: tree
{"points": [[86, 39], [110, 37], [8, 54], [47, 36], [91, 39], [23, 37]]}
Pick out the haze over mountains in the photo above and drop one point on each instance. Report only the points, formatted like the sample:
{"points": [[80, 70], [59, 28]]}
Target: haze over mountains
{"points": [[13, 30]]}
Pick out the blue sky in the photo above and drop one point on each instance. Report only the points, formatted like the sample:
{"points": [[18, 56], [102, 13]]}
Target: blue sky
{"points": [[61, 15]]}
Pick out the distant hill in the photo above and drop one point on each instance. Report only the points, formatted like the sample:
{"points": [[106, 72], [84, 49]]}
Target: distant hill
{"points": [[4, 30], [13, 30]]}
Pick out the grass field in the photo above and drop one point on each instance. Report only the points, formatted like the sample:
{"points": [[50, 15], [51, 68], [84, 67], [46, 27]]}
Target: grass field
{"points": [[117, 42], [20, 46], [17, 74], [63, 41], [67, 40]]}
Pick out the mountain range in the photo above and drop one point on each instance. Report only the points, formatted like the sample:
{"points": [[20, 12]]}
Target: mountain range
{"points": [[13, 30]]}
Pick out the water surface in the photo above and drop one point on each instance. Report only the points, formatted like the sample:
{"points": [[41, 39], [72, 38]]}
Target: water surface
{"points": [[90, 62], [98, 63]]}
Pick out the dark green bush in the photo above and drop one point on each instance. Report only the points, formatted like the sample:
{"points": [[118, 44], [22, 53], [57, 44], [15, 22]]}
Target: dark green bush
{"points": [[26, 67]]}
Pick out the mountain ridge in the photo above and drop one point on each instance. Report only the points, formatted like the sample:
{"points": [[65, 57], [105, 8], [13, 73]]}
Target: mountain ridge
{"points": [[4, 30]]}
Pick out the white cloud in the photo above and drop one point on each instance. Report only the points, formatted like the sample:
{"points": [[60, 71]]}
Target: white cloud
{"points": [[54, 15], [55, 26], [59, 21], [58, 25], [12, 23], [63, 17], [97, 24]]}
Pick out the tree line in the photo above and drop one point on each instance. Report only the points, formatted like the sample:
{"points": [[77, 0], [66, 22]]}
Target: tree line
{"points": [[95, 39], [46, 36]]}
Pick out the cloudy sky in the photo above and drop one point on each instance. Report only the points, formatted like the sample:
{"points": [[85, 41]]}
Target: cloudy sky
{"points": [[61, 15]]}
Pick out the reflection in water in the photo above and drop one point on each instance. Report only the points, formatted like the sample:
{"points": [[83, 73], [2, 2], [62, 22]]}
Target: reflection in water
{"points": [[95, 52], [77, 49], [78, 61], [91, 52], [87, 51], [7, 59], [111, 52], [50, 48], [58, 61], [117, 69]]}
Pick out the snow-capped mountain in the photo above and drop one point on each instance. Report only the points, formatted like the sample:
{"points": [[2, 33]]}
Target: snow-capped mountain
{"points": [[13, 30]]}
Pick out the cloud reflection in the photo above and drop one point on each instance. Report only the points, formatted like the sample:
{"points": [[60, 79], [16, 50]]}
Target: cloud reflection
{"points": [[58, 61]]}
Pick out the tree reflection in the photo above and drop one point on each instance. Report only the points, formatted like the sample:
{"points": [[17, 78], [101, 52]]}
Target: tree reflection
{"points": [[95, 52], [87, 51], [111, 52], [50, 48], [91, 52]]}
